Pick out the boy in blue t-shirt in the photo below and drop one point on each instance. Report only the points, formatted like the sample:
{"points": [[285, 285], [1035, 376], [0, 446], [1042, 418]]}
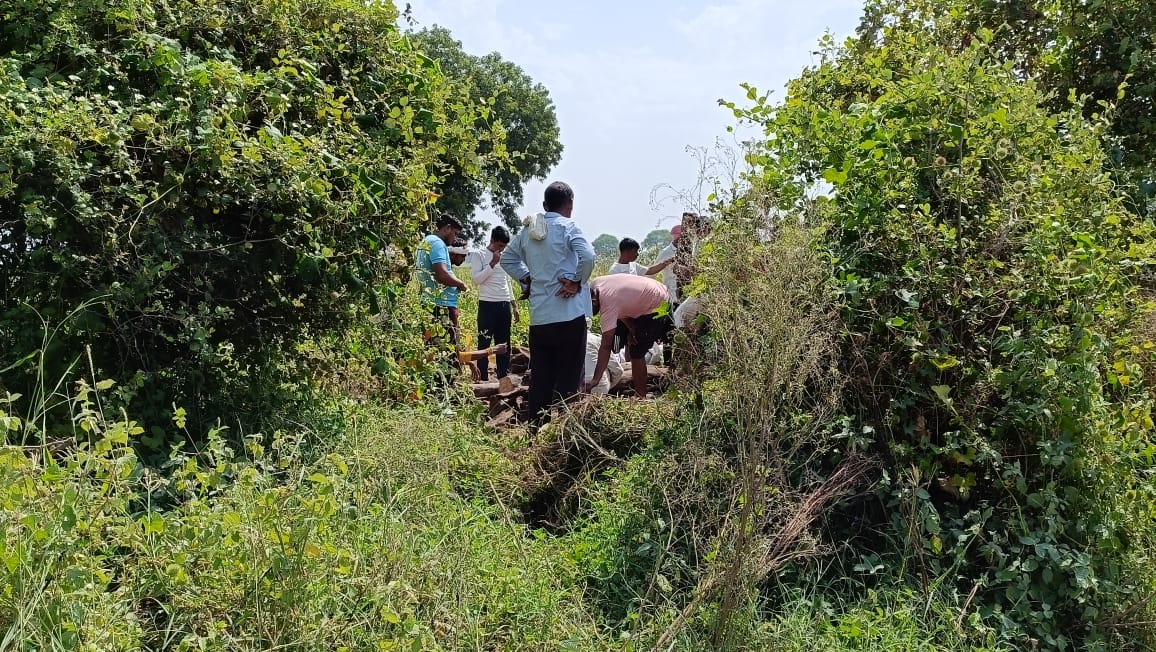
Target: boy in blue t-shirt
{"points": [[439, 291]]}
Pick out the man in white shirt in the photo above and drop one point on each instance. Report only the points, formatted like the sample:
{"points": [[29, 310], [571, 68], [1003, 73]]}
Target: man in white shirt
{"points": [[628, 261], [495, 300]]}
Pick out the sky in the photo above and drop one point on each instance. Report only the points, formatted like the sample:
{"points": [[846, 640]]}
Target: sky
{"points": [[636, 83]]}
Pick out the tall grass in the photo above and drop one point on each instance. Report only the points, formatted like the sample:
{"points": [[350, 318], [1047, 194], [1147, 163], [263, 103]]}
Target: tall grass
{"points": [[382, 541]]}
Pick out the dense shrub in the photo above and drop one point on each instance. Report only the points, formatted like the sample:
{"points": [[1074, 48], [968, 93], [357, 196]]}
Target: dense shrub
{"points": [[366, 547], [985, 266], [192, 187], [730, 487]]}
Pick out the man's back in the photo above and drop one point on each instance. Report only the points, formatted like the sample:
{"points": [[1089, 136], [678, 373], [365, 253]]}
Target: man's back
{"points": [[564, 252], [627, 296]]}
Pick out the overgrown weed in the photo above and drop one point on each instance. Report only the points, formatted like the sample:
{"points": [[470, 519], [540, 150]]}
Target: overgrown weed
{"points": [[367, 545]]}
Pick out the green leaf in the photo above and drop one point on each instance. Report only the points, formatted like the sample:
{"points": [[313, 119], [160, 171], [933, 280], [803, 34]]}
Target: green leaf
{"points": [[943, 363], [943, 392], [835, 177]]}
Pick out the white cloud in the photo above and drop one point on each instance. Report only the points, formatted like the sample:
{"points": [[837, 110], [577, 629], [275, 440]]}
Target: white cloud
{"points": [[633, 93]]}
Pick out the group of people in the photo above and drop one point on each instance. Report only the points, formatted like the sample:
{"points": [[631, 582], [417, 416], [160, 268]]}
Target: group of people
{"points": [[552, 261]]}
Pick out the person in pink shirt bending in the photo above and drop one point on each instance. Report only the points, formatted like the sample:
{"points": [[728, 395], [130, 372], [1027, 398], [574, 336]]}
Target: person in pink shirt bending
{"points": [[635, 305]]}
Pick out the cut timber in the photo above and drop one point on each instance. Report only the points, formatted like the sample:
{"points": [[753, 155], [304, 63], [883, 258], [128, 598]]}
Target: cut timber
{"points": [[499, 402], [494, 388], [503, 420], [485, 390], [658, 378]]}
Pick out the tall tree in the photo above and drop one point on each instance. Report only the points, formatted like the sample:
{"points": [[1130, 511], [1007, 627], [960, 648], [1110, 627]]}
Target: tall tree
{"points": [[512, 102], [656, 239], [605, 246]]}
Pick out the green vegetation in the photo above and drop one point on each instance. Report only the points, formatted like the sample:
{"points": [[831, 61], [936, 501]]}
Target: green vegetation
{"points": [[511, 102], [371, 544], [656, 240], [985, 269], [202, 186], [915, 414], [1099, 54]]}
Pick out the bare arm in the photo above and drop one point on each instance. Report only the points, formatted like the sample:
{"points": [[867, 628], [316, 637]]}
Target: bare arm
{"points": [[604, 348], [443, 275], [658, 267], [469, 356]]}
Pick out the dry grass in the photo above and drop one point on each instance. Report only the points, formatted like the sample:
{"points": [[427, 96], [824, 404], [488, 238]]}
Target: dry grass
{"points": [[769, 390]]}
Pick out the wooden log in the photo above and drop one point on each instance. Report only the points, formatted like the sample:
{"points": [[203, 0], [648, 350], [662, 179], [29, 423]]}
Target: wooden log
{"points": [[657, 379], [504, 420], [657, 372], [485, 390], [519, 361], [492, 387], [500, 402], [497, 406]]}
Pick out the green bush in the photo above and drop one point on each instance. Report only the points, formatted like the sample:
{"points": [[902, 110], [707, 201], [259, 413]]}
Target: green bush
{"points": [[985, 265], [195, 187], [367, 546]]}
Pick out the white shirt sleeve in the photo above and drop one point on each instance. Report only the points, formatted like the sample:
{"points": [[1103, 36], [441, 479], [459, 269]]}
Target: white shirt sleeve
{"points": [[480, 266]]}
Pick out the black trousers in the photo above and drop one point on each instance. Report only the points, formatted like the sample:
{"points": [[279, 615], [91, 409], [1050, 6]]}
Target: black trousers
{"points": [[494, 322], [558, 353]]}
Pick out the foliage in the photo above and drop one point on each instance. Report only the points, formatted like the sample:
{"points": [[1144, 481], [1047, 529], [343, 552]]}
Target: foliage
{"points": [[1099, 52], [195, 187], [985, 265], [512, 102], [890, 619], [656, 240], [605, 246], [362, 545], [386, 358], [680, 541]]}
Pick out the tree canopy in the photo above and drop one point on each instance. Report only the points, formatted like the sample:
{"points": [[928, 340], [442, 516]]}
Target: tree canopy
{"points": [[197, 184], [512, 102], [656, 239], [605, 246]]}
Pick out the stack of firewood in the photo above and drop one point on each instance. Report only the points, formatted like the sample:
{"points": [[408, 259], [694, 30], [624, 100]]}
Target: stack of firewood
{"points": [[506, 400]]}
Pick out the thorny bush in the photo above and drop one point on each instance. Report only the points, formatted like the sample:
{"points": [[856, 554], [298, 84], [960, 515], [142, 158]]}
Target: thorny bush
{"points": [[985, 266]]}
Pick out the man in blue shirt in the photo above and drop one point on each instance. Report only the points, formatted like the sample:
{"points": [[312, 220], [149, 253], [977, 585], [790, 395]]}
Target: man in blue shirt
{"points": [[555, 261], [439, 286]]}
